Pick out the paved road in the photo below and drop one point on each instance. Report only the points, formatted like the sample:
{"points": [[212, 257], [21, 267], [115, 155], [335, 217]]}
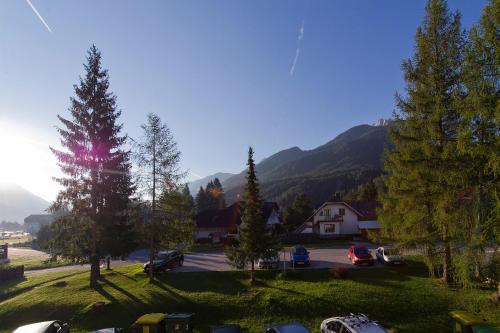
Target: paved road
{"points": [[16, 253], [217, 261]]}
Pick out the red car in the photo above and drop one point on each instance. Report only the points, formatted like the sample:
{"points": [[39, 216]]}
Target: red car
{"points": [[360, 255]]}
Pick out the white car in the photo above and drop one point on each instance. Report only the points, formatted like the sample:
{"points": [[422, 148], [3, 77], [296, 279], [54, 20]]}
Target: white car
{"points": [[53, 326], [351, 324], [389, 256], [272, 262]]}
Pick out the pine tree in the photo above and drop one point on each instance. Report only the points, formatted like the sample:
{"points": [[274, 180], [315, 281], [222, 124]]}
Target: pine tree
{"points": [[97, 185], [254, 241], [158, 159], [188, 197], [298, 212], [201, 200], [479, 137], [423, 178]]}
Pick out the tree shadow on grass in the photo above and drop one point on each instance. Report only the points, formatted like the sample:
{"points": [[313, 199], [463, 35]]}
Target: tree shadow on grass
{"points": [[121, 290], [19, 291]]}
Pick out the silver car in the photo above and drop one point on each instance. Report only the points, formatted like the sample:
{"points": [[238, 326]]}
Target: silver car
{"points": [[53, 326], [389, 256], [352, 323]]}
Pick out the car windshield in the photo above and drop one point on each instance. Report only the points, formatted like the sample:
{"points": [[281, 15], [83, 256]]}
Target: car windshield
{"points": [[300, 250], [166, 255], [360, 250]]}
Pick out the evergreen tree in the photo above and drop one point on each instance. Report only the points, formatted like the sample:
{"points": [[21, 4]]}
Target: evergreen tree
{"points": [[296, 214], [157, 158], [423, 178], [254, 241], [201, 200], [97, 185], [218, 194], [479, 139], [188, 197]]}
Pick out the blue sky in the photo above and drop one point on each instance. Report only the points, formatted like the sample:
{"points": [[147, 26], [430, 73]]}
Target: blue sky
{"points": [[217, 72]]}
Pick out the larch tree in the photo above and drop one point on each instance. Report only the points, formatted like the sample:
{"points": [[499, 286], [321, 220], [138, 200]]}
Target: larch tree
{"points": [[423, 171], [479, 138], [97, 184], [157, 159]]}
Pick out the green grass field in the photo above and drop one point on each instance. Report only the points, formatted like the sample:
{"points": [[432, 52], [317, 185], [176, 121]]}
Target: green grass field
{"points": [[404, 299], [15, 240], [38, 263]]}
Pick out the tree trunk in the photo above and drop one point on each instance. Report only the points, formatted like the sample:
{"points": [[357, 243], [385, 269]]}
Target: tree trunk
{"points": [[252, 278], [447, 274], [94, 271], [94, 258], [153, 204]]}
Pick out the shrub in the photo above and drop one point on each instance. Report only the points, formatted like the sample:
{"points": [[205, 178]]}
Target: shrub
{"points": [[339, 272]]}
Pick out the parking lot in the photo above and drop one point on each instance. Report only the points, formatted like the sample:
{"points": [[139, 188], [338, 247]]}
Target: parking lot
{"points": [[209, 261], [217, 261]]}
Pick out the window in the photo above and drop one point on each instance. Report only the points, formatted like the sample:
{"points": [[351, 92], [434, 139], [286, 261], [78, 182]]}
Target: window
{"points": [[326, 211], [341, 211], [329, 228]]}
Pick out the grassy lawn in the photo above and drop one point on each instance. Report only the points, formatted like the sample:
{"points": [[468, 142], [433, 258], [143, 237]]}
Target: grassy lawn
{"points": [[404, 299], [38, 263], [15, 240]]}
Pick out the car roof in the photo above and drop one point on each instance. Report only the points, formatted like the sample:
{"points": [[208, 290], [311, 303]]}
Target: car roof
{"points": [[35, 327], [360, 324], [291, 328], [167, 252]]}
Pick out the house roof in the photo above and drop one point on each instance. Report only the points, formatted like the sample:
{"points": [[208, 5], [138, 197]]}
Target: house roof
{"points": [[229, 217]]}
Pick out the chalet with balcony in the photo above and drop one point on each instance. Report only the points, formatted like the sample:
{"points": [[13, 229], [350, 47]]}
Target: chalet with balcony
{"points": [[342, 218]]}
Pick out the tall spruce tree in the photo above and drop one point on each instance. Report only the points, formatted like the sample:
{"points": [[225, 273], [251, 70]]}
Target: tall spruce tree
{"points": [[254, 240], [423, 171], [479, 138], [97, 183], [188, 197]]}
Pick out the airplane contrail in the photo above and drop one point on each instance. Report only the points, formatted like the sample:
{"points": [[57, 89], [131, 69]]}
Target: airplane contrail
{"points": [[39, 16]]}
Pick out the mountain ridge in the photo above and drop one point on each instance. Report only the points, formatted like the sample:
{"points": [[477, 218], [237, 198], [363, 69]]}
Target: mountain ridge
{"points": [[16, 203]]}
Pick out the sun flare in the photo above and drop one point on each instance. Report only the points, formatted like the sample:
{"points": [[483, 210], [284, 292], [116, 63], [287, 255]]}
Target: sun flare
{"points": [[26, 159]]}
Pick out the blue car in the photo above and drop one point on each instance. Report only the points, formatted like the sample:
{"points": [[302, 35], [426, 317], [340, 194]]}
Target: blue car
{"points": [[299, 256]]}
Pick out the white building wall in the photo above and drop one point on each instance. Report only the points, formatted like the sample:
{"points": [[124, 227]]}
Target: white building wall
{"points": [[348, 226]]}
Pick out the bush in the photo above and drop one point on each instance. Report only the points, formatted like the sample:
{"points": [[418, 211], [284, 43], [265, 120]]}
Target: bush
{"points": [[339, 272]]}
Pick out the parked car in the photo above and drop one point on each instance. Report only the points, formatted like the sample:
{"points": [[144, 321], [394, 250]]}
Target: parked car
{"points": [[272, 261], [53, 326], [389, 256], [288, 328], [231, 328], [352, 323], [299, 256], [359, 254], [166, 260]]}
